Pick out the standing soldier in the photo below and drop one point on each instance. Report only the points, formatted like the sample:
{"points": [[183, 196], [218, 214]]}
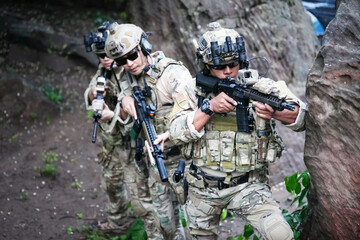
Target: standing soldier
{"points": [[164, 80], [116, 157], [230, 142]]}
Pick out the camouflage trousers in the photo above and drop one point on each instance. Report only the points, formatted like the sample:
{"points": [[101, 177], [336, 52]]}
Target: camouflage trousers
{"points": [[114, 162], [124, 182], [165, 205], [251, 201]]}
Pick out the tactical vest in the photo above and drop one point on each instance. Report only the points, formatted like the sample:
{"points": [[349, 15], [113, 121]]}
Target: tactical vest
{"points": [[162, 111], [224, 149]]}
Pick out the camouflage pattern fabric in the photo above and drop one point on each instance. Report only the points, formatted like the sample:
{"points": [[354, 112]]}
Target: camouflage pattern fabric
{"points": [[117, 158], [250, 201], [170, 81], [219, 151]]}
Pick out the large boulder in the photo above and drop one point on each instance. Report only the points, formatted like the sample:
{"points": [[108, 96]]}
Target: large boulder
{"points": [[332, 145]]}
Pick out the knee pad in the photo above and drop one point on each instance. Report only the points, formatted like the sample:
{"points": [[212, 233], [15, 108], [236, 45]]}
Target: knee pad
{"points": [[274, 227]]}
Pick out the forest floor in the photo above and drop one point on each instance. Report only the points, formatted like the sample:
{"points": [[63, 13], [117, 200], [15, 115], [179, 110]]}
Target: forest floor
{"points": [[33, 206]]}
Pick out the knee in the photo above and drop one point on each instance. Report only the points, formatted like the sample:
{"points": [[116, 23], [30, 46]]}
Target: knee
{"points": [[274, 227]]}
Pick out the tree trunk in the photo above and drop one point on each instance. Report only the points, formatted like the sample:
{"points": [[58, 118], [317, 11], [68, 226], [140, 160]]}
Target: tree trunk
{"points": [[332, 145]]}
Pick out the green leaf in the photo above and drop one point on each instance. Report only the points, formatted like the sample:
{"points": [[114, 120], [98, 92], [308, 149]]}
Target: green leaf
{"points": [[79, 215], [223, 214], [284, 211], [255, 237], [298, 188], [240, 237], [69, 230], [293, 201], [248, 231], [182, 217], [305, 179], [296, 234]]}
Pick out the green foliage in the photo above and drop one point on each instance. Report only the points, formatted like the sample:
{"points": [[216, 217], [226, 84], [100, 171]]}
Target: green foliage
{"points": [[24, 195], [90, 114], [298, 185], [49, 170], [79, 215], [182, 217], [100, 17], [123, 15], [13, 137], [136, 231], [248, 232], [76, 185], [53, 94], [33, 115]]}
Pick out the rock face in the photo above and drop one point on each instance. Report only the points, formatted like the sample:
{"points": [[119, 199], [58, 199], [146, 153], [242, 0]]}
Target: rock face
{"points": [[332, 145], [279, 30]]}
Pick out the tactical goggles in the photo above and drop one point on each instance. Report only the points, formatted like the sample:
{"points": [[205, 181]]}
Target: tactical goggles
{"points": [[222, 67], [101, 55], [122, 61]]}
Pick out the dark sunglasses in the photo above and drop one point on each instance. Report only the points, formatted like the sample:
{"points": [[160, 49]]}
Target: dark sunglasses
{"points": [[131, 57], [101, 55], [222, 67]]}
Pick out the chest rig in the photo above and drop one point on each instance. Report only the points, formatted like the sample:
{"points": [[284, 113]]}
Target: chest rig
{"points": [[224, 148], [162, 109]]}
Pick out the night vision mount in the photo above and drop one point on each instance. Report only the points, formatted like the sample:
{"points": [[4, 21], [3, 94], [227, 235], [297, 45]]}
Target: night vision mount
{"points": [[98, 38], [235, 50]]}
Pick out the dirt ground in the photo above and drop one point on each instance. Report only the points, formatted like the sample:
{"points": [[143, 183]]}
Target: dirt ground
{"points": [[33, 206]]}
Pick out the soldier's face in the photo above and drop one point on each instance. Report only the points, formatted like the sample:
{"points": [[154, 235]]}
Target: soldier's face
{"points": [[106, 62], [228, 70], [134, 62]]}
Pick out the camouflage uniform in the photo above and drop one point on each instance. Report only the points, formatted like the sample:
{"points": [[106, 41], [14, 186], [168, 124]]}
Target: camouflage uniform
{"points": [[230, 168], [167, 79], [116, 158]]}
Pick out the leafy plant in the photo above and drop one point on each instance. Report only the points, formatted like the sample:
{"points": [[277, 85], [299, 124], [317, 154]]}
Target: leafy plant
{"points": [[136, 231], [248, 231], [79, 215], [53, 94], [13, 137], [297, 184], [24, 195], [100, 17], [49, 170], [90, 114], [76, 185]]}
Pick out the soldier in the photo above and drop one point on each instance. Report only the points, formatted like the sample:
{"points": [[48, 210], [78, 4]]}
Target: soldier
{"points": [[116, 155], [229, 167], [166, 79]]}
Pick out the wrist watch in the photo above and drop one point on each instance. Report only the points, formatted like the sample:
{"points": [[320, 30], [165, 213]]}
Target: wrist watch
{"points": [[205, 108]]}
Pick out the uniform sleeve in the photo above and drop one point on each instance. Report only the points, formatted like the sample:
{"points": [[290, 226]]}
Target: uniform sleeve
{"points": [[182, 89], [299, 124]]}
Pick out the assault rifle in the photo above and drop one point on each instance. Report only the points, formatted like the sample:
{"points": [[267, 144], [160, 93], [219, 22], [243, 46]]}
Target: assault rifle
{"points": [[145, 112], [241, 93], [98, 103]]}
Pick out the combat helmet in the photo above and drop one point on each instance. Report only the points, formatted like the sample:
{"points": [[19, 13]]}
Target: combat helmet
{"points": [[95, 41], [219, 46], [125, 37]]}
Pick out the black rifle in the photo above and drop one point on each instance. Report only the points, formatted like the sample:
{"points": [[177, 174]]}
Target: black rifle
{"points": [[144, 121], [241, 95], [100, 88]]}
